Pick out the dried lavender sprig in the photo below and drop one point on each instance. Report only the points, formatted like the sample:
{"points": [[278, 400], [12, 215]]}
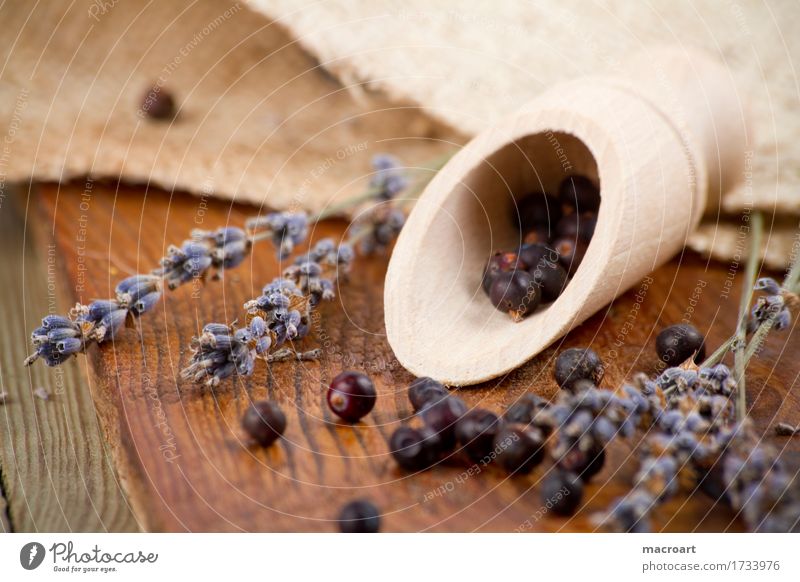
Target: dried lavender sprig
{"points": [[698, 442], [377, 189], [281, 313], [61, 337], [285, 305], [741, 324]]}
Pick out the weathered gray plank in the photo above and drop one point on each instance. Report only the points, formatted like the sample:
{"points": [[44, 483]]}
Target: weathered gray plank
{"points": [[56, 472]]}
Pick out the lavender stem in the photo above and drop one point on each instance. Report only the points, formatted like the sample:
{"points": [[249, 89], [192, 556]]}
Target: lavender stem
{"points": [[751, 270]]}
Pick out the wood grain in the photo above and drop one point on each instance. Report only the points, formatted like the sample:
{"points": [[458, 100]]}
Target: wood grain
{"points": [[56, 471], [178, 447]]}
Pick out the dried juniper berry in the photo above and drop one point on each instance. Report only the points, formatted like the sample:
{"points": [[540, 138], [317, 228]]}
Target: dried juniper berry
{"points": [[551, 278], [424, 391], [570, 253], [264, 422], [579, 194], [524, 410], [532, 255], [475, 432], [515, 293], [500, 262], [519, 449], [441, 417], [577, 226], [359, 516], [536, 209], [352, 396], [586, 464], [411, 449], [574, 364], [158, 104], [562, 491], [538, 235], [677, 343]]}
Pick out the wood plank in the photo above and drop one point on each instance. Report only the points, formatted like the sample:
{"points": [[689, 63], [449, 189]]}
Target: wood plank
{"points": [[178, 447], [55, 467], [5, 525]]}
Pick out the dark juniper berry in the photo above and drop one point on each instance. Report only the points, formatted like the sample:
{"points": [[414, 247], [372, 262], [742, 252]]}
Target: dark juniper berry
{"points": [[359, 516], [159, 104], [424, 391]]}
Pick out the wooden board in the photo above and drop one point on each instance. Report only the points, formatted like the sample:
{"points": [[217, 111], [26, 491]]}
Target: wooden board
{"points": [[54, 463], [178, 447]]}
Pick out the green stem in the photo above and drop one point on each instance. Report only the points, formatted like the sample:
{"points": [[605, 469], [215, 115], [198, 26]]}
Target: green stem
{"points": [[757, 339], [751, 270], [793, 276], [719, 354], [338, 208], [372, 193]]}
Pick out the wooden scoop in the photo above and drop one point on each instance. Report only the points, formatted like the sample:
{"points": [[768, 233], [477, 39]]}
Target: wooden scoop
{"points": [[664, 141]]}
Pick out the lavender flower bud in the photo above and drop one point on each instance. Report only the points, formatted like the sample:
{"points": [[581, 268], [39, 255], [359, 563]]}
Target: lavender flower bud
{"points": [[52, 321], [145, 303], [258, 327], [110, 325], [232, 254], [99, 308], [285, 229], [216, 328], [389, 179], [68, 346], [767, 284]]}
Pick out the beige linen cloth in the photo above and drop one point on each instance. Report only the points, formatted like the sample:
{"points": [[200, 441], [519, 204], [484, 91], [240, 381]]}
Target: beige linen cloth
{"points": [[283, 102]]}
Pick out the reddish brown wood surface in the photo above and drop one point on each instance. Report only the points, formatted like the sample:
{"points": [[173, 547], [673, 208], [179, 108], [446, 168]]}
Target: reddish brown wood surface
{"points": [[178, 447]]}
